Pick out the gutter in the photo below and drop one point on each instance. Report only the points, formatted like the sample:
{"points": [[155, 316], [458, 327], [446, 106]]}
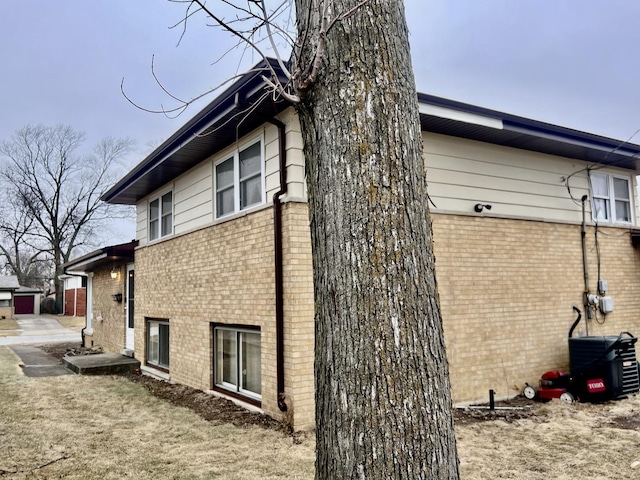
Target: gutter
{"points": [[279, 283]]}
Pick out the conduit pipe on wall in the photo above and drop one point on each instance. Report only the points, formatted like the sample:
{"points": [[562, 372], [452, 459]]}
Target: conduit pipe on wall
{"points": [[279, 282], [585, 265]]}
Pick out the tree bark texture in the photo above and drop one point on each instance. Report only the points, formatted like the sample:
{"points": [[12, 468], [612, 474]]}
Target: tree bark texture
{"points": [[383, 404]]}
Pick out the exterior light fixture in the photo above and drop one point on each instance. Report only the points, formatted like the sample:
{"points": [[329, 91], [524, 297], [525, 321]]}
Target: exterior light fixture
{"points": [[114, 273], [479, 207]]}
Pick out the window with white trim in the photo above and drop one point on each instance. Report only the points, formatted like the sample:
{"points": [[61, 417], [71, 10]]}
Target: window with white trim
{"points": [[236, 360], [611, 198], [239, 180], [161, 216], [158, 343]]}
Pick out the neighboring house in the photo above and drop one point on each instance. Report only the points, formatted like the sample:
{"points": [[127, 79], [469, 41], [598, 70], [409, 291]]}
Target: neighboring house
{"points": [[75, 295], [224, 291], [26, 301], [109, 281], [8, 286]]}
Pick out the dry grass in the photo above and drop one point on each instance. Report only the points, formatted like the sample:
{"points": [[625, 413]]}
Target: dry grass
{"points": [[9, 327], [585, 441], [110, 428], [74, 323]]}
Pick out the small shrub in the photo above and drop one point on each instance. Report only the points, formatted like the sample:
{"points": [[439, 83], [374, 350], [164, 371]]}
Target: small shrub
{"points": [[48, 305]]}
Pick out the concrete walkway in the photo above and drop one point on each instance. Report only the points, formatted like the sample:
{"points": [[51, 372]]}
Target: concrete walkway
{"points": [[36, 363], [35, 329]]}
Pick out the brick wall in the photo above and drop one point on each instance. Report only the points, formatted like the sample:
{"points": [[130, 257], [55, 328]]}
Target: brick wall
{"points": [[225, 274], [108, 315], [81, 302], [299, 334], [507, 288], [6, 312]]}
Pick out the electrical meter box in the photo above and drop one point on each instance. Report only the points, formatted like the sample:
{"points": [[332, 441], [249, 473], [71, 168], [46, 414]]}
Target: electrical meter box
{"points": [[606, 305]]}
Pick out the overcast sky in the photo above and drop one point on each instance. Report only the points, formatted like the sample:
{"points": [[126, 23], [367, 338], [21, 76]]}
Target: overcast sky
{"points": [[567, 62]]}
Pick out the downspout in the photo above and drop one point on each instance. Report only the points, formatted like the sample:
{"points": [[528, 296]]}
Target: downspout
{"points": [[279, 283], [585, 266]]}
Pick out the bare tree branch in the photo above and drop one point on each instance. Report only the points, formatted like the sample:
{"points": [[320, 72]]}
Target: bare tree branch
{"points": [[57, 191]]}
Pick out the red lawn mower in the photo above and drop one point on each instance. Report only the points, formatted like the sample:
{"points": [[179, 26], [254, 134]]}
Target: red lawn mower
{"points": [[602, 368]]}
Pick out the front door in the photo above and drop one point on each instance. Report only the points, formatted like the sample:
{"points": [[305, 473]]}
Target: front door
{"points": [[129, 309]]}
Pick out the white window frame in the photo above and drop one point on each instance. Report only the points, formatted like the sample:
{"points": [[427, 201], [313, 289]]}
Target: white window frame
{"points": [[235, 156], [238, 386], [610, 199], [152, 361], [161, 215]]}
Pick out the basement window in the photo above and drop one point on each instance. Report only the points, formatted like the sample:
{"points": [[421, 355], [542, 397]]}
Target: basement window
{"points": [[611, 198], [157, 354], [236, 359], [239, 180]]}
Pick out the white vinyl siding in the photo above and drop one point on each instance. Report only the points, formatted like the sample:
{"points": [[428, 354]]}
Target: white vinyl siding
{"points": [[193, 198], [517, 183], [141, 222], [296, 185], [193, 192]]}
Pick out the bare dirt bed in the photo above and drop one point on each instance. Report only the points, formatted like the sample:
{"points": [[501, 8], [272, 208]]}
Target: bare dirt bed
{"points": [[219, 410]]}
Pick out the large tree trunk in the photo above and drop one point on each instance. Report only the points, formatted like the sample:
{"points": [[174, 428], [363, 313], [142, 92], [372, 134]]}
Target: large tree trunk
{"points": [[383, 405]]}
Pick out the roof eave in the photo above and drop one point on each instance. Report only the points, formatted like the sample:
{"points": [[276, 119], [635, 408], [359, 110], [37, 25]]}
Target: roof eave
{"points": [[227, 109]]}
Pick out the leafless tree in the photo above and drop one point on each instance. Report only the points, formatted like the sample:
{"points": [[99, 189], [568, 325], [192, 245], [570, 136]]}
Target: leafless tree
{"points": [[383, 405], [53, 194]]}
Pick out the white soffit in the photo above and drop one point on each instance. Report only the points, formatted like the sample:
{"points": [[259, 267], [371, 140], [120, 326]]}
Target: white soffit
{"points": [[457, 115]]}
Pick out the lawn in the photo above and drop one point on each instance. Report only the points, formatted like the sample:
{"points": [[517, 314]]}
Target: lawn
{"points": [[8, 327], [77, 427], [111, 428]]}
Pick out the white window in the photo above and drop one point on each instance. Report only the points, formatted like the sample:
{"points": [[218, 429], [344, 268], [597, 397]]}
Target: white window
{"points": [[237, 361], [239, 180], [611, 197], [158, 343], [161, 216]]}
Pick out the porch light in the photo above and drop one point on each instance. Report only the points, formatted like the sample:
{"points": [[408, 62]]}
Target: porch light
{"points": [[114, 273]]}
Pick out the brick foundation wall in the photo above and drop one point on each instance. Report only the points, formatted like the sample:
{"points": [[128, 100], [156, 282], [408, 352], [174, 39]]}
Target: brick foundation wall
{"points": [[299, 334], [225, 274], [108, 315], [507, 288]]}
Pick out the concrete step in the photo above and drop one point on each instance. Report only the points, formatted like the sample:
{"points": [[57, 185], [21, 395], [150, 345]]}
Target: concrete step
{"points": [[101, 364]]}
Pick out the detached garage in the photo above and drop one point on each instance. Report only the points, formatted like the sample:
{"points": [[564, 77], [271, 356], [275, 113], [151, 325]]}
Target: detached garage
{"points": [[26, 301], [8, 285]]}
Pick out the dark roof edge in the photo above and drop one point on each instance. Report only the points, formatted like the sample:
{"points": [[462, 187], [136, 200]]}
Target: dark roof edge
{"points": [[537, 128], [194, 126], [108, 251]]}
